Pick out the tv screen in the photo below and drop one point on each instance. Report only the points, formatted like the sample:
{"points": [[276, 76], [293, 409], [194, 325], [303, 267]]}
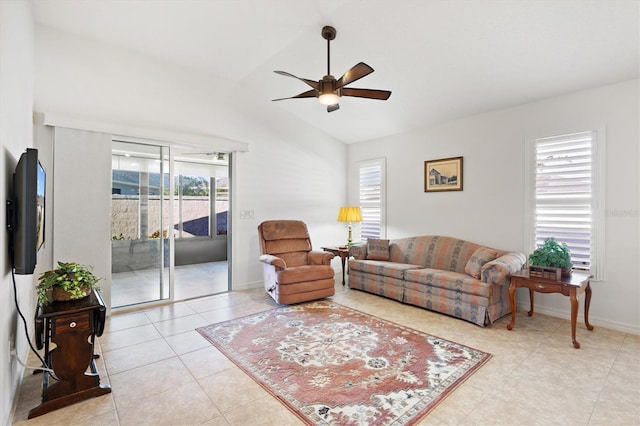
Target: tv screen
{"points": [[29, 183]]}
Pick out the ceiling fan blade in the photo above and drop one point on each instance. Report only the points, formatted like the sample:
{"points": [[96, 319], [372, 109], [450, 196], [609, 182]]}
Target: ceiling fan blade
{"points": [[308, 94], [355, 73], [311, 83], [383, 95], [331, 108]]}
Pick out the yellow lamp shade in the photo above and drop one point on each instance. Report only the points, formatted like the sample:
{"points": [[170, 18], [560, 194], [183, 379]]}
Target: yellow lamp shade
{"points": [[349, 214]]}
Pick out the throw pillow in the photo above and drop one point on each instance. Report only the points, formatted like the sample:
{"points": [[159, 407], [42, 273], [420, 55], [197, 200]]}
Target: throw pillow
{"points": [[477, 261], [377, 249]]}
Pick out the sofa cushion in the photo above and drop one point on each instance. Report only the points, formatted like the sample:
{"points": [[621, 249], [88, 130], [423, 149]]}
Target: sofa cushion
{"points": [[380, 267], [422, 279], [478, 259], [377, 249], [436, 252]]}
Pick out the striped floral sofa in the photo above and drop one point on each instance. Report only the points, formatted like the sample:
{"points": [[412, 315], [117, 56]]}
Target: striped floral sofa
{"points": [[442, 274]]}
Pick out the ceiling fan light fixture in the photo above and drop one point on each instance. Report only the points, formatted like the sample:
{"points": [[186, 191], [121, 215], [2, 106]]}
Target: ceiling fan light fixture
{"points": [[329, 99]]}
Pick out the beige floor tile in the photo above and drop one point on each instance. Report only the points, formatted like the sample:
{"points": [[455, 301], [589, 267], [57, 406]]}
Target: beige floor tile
{"points": [[227, 398], [542, 399], [148, 380], [180, 325], [219, 315], [218, 421], [618, 404], [167, 312], [184, 405], [105, 419], [494, 411], [138, 355], [458, 404], [263, 411], [128, 337], [205, 362], [187, 342], [209, 303], [119, 321]]}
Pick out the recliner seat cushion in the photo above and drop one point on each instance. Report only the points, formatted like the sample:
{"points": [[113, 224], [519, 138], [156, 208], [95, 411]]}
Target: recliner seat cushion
{"points": [[298, 274]]}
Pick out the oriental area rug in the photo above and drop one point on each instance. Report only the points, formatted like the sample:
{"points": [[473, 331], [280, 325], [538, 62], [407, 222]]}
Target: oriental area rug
{"points": [[334, 365]]}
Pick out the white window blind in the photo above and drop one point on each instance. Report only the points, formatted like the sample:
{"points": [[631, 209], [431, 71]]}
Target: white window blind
{"points": [[565, 197], [372, 188]]}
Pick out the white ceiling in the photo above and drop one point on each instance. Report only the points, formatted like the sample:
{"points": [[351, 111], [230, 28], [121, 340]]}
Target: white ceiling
{"points": [[441, 59]]}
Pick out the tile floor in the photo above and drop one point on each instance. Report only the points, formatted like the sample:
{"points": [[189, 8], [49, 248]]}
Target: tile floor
{"points": [[163, 372], [202, 279]]}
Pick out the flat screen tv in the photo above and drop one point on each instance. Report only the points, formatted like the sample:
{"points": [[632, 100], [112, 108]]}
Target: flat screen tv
{"points": [[29, 182]]}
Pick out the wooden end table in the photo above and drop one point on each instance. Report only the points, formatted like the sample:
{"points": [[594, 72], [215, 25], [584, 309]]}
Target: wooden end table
{"points": [[568, 286], [342, 252], [67, 332]]}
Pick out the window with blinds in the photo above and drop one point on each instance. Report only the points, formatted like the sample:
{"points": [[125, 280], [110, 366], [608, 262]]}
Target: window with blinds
{"points": [[371, 199], [564, 197]]}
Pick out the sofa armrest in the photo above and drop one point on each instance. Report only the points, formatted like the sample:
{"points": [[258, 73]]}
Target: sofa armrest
{"points": [[273, 260], [320, 257], [497, 271], [358, 251]]}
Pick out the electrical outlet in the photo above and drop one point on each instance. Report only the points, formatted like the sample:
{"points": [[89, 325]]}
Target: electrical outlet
{"points": [[246, 214]]}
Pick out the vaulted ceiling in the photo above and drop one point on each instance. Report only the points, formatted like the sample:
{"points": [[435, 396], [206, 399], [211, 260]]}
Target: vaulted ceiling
{"points": [[441, 59]]}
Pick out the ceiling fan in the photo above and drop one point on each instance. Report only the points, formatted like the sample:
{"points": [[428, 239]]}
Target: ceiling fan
{"points": [[329, 90]]}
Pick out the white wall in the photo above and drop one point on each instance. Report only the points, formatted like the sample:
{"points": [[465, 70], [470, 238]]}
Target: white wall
{"points": [[16, 102], [290, 171], [490, 209]]}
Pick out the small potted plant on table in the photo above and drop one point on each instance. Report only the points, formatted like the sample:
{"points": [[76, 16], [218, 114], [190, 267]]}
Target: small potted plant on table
{"points": [[69, 281], [552, 260]]}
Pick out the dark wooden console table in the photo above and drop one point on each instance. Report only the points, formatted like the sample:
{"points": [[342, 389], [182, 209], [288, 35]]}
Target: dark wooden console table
{"points": [[568, 286], [72, 326]]}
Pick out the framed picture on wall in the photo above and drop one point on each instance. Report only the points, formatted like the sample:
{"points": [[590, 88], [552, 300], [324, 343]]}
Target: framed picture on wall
{"points": [[443, 175]]}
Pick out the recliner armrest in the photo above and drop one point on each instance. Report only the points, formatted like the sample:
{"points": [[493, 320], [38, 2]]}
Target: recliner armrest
{"points": [[320, 257], [273, 260]]}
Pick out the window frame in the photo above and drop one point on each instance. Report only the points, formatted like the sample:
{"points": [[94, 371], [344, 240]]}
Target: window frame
{"points": [[381, 202], [598, 151]]}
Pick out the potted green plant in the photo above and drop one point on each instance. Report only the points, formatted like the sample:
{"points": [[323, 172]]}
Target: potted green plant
{"points": [[552, 254], [69, 281]]}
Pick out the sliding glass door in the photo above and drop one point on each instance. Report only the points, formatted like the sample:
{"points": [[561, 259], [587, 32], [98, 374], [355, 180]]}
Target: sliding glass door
{"points": [[140, 218], [200, 215], [169, 223]]}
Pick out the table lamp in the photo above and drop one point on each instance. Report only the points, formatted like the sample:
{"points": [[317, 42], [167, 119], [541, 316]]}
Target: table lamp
{"points": [[349, 215]]}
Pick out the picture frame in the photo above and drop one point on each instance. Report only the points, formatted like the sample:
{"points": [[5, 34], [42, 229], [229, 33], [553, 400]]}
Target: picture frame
{"points": [[444, 174]]}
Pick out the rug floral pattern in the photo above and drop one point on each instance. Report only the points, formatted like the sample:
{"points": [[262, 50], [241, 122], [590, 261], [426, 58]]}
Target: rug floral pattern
{"points": [[333, 365]]}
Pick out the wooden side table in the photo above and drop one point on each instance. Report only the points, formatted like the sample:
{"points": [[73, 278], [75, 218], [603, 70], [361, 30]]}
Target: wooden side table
{"points": [[72, 327], [342, 252], [568, 286]]}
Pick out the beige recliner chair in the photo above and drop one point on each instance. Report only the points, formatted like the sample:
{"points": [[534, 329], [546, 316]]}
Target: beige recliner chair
{"points": [[293, 272]]}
